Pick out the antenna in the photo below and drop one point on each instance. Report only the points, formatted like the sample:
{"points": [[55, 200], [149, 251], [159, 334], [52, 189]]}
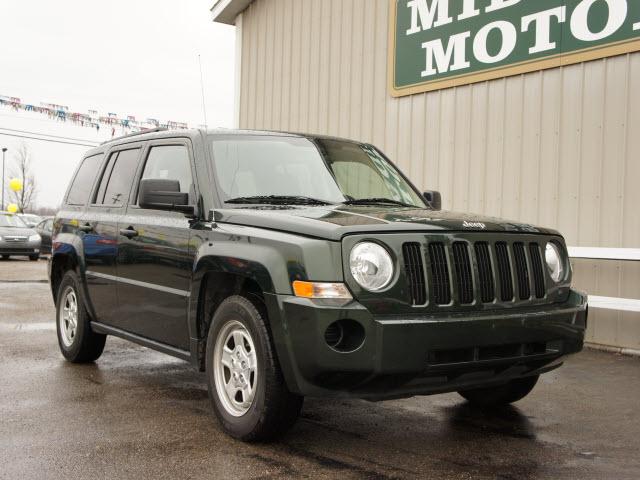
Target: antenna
{"points": [[204, 109]]}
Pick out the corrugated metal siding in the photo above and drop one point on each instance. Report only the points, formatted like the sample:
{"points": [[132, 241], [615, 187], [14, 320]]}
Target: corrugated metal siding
{"points": [[558, 147]]}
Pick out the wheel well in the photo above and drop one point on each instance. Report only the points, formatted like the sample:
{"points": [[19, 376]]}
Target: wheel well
{"points": [[59, 266], [216, 287]]}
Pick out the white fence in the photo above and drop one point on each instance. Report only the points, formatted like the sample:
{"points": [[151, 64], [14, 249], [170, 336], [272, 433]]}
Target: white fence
{"points": [[620, 254]]}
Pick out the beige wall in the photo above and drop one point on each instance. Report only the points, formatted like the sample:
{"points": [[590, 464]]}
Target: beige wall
{"points": [[560, 147]]}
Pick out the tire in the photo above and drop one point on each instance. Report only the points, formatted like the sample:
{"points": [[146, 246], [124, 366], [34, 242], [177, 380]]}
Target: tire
{"points": [[256, 406], [34, 258], [6, 257], [502, 394], [79, 344]]}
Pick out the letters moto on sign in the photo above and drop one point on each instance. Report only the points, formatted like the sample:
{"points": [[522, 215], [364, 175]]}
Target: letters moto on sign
{"points": [[436, 44]]}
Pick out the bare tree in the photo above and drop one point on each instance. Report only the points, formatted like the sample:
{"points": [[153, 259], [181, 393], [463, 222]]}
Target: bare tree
{"points": [[26, 197]]}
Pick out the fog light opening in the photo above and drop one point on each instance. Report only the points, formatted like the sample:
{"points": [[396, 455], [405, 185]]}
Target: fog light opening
{"points": [[344, 336]]}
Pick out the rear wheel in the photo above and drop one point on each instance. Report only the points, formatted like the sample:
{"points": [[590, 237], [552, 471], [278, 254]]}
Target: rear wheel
{"points": [[5, 257], [78, 343], [246, 387], [34, 258], [502, 394]]}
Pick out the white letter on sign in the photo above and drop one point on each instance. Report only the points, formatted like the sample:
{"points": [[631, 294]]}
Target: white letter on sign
{"points": [[468, 10], [456, 49], [580, 26], [498, 4], [543, 27], [509, 37], [422, 16]]}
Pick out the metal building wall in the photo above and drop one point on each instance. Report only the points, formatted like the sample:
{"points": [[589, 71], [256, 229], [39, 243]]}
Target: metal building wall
{"points": [[560, 147]]}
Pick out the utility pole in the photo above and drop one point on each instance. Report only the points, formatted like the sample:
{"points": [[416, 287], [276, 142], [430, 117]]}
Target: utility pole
{"points": [[4, 151]]}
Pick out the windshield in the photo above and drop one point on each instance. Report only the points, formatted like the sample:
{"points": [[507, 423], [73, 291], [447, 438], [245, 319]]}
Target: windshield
{"points": [[11, 221], [319, 170]]}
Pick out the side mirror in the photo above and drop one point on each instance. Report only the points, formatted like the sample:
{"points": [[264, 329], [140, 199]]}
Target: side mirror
{"points": [[434, 199], [163, 194]]}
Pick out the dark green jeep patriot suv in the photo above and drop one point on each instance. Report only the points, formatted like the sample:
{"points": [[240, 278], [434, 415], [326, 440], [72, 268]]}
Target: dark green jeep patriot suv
{"points": [[287, 265]]}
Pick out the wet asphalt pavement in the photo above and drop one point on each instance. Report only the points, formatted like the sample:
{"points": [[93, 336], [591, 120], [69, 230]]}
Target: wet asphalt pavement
{"points": [[140, 414]]}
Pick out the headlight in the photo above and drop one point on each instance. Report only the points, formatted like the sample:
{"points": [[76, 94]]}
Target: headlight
{"points": [[554, 261], [371, 266], [34, 238]]}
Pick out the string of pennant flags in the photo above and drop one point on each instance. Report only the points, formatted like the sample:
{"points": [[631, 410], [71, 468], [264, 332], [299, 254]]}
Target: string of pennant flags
{"points": [[91, 119]]}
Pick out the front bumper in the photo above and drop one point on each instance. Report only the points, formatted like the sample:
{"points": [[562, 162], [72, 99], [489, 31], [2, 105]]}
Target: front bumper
{"points": [[19, 248], [423, 355]]}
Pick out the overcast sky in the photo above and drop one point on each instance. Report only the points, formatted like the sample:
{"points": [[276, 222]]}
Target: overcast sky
{"points": [[128, 57]]}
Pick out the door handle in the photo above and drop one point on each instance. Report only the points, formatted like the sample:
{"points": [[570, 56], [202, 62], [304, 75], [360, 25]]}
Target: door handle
{"points": [[128, 232], [87, 227]]}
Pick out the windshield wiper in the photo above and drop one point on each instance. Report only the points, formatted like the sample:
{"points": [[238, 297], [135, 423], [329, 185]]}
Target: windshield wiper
{"points": [[278, 200], [377, 201]]}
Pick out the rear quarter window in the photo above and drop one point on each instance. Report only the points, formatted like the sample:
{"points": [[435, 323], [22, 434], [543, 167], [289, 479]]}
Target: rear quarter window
{"points": [[83, 182]]}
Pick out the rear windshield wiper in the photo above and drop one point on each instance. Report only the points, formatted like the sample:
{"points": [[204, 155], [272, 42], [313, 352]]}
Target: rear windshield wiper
{"points": [[278, 200], [377, 201]]}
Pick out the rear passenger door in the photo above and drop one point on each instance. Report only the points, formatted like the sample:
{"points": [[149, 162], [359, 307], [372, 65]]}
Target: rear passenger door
{"points": [[100, 223], [155, 260]]}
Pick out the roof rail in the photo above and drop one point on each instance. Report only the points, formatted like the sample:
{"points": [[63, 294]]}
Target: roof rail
{"points": [[141, 132]]}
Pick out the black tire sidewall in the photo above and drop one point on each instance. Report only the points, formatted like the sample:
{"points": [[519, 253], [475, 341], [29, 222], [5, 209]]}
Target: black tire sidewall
{"points": [[70, 280], [510, 392], [242, 310]]}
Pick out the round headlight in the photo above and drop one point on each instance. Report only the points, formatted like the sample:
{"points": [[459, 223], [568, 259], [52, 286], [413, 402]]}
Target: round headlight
{"points": [[371, 266], [554, 261], [34, 238]]}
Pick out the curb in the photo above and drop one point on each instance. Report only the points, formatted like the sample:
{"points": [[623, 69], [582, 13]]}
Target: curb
{"points": [[630, 352]]}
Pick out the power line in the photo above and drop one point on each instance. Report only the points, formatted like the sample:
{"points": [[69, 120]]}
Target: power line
{"points": [[46, 135], [48, 140]]}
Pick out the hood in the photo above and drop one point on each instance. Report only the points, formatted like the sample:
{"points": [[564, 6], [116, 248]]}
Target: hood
{"points": [[16, 232], [334, 222]]}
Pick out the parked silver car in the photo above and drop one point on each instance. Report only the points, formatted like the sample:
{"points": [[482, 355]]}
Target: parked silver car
{"points": [[16, 238], [30, 219]]}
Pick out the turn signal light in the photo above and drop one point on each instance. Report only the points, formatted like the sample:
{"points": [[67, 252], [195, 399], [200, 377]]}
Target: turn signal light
{"points": [[320, 290]]}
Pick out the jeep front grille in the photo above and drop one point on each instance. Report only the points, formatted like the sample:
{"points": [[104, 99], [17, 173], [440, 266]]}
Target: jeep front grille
{"points": [[462, 265], [538, 272], [414, 269], [524, 287], [465, 272], [485, 272], [504, 272], [440, 274]]}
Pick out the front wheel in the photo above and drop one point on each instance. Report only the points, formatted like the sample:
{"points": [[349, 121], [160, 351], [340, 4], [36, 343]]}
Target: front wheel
{"points": [[246, 387], [510, 392], [78, 343], [34, 258]]}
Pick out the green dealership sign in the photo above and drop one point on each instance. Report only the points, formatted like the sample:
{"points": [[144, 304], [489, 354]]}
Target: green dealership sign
{"points": [[438, 44]]}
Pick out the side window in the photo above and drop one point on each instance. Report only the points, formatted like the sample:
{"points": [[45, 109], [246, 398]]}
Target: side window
{"points": [[105, 178], [82, 183], [118, 178], [170, 162]]}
